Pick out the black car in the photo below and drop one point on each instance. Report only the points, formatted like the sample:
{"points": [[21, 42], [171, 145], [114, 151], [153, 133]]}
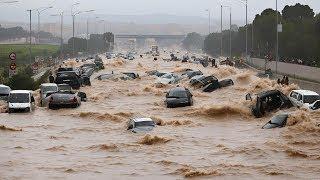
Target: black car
{"points": [[269, 101], [179, 97], [191, 74], [202, 81], [131, 75], [69, 77], [99, 63]]}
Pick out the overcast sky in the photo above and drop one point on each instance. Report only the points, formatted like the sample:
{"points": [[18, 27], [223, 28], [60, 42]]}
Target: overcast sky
{"points": [[17, 12]]}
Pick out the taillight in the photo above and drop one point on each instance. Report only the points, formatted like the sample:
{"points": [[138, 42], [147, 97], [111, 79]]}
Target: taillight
{"points": [[74, 99]]}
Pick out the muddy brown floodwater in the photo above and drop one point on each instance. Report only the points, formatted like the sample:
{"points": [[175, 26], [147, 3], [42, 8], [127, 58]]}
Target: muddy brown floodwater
{"points": [[215, 138]]}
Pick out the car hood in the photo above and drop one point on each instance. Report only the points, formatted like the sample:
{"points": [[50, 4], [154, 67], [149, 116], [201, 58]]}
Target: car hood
{"points": [[19, 105], [142, 129], [169, 99]]}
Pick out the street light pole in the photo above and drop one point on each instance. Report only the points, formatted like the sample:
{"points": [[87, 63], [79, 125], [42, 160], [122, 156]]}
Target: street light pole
{"points": [[246, 30], [277, 46], [221, 32], [209, 19], [230, 36], [30, 33], [39, 11], [73, 17]]}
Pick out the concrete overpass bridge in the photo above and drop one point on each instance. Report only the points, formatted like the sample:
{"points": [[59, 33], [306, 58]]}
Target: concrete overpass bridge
{"points": [[147, 40]]}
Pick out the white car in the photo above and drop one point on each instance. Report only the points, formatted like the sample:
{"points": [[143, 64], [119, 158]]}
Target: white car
{"points": [[303, 98], [45, 89], [21, 100], [137, 125], [168, 78]]}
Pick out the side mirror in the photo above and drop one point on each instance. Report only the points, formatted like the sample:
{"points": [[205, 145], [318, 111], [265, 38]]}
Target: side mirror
{"points": [[32, 99], [248, 97], [83, 96]]}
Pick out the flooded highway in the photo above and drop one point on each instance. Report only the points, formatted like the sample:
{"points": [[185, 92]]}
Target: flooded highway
{"points": [[217, 137]]}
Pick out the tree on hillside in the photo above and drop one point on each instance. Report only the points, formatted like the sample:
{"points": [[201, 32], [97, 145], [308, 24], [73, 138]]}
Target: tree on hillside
{"points": [[193, 41]]}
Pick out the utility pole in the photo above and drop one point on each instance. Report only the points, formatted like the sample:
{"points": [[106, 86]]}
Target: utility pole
{"points": [[209, 19], [230, 36], [73, 17], [246, 30], [88, 36], [277, 46], [221, 33], [30, 34], [61, 48]]}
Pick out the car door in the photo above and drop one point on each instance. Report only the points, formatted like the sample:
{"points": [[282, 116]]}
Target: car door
{"points": [[294, 98], [300, 100]]}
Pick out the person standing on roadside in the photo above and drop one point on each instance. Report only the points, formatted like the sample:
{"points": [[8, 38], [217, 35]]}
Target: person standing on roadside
{"points": [[213, 61]]}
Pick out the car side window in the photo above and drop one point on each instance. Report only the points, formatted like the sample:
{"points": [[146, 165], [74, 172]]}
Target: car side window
{"points": [[294, 95], [317, 104], [299, 97]]}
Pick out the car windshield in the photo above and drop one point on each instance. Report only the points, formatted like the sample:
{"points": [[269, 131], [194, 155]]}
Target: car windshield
{"points": [[4, 91], [279, 119], [45, 89], [310, 99], [144, 123], [19, 98], [64, 88], [178, 94], [167, 76]]}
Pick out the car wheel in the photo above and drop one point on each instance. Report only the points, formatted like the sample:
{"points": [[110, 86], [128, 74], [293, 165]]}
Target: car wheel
{"points": [[10, 111], [51, 107]]}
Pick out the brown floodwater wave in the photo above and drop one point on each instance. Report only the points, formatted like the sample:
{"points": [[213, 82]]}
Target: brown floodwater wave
{"points": [[5, 128], [221, 110], [217, 137], [153, 140]]}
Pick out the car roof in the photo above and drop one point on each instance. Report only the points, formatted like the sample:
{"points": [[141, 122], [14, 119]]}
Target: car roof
{"points": [[20, 91], [142, 119], [306, 92], [178, 89], [4, 86], [49, 84]]}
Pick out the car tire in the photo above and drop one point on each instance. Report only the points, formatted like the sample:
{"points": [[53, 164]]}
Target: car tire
{"points": [[10, 110], [52, 107]]}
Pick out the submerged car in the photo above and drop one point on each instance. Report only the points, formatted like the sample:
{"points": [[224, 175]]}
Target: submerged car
{"points": [[4, 92], [179, 97], [69, 77], [131, 74], [21, 100], [212, 86], [168, 78], [202, 81], [191, 74], [137, 125], [269, 101], [303, 98], [277, 121], [65, 99], [155, 73]]}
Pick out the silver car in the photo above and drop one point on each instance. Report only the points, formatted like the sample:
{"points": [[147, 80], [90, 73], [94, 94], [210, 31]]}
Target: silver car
{"points": [[64, 99]]}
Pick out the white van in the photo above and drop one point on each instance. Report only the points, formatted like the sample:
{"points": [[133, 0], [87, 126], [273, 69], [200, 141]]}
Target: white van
{"points": [[21, 100], [303, 98], [4, 92], [45, 89]]}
